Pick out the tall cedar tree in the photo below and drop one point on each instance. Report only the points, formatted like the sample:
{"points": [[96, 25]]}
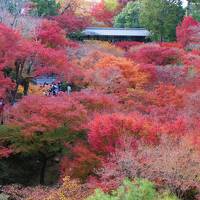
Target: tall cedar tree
{"points": [[161, 18]]}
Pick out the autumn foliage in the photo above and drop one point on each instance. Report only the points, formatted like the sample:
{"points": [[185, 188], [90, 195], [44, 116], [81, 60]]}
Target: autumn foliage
{"points": [[100, 13], [29, 116], [130, 110], [129, 69], [106, 131], [186, 31], [69, 22], [155, 54], [51, 35]]}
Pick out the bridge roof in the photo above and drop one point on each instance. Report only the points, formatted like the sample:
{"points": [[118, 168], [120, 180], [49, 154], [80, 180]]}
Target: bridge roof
{"points": [[116, 31]]}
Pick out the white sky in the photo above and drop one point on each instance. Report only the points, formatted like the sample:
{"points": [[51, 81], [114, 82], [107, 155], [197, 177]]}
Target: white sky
{"points": [[184, 3]]}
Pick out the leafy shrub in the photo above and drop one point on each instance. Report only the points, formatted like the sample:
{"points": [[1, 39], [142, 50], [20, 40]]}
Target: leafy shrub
{"points": [[166, 196], [71, 23], [83, 164], [46, 8], [174, 164], [155, 54], [138, 190], [126, 45], [185, 33], [106, 130], [69, 190]]}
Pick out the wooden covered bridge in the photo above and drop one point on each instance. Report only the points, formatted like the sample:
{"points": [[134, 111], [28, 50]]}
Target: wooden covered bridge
{"points": [[116, 34]]}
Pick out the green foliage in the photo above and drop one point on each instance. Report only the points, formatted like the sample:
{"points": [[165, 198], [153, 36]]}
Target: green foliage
{"points": [[77, 36], [41, 147], [166, 196], [139, 190], [161, 18], [46, 7], [129, 17], [47, 143], [99, 195], [111, 5], [195, 11]]}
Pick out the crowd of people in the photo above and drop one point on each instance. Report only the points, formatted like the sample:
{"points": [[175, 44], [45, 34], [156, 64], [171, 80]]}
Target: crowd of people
{"points": [[55, 88]]}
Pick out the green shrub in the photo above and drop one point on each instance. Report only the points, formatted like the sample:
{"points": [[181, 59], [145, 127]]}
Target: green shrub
{"points": [[166, 196], [46, 8], [140, 190]]}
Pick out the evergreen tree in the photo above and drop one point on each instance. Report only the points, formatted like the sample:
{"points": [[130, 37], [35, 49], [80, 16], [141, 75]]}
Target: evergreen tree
{"points": [[129, 17], [46, 7], [195, 10], [161, 18]]}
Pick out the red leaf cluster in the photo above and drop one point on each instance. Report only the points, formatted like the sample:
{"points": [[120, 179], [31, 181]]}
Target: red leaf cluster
{"points": [[70, 22], [9, 40], [51, 35], [105, 131], [41, 114], [155, 54], [5, 152], [6, 85], [102, 14], [83, 164], [185, 31], [126, 45]]}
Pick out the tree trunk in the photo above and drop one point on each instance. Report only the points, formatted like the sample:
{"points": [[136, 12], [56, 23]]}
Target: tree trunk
{"points": [[26, 87], [15, 93], [19, 65], [27, 80], [161, 38], [1, 117], [188, 10], [43, 170]]}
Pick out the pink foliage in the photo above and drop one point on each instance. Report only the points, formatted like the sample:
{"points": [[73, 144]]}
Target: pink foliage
{"points": [[185, 31], [171, 45], [102, 14], [126, 45], [51, 35], [95, 101], [83, 163], [154, 54], [42, 114], [5, 152], [71, 23], [9, 41], [6, 85], [121, 164], [105, 131]]}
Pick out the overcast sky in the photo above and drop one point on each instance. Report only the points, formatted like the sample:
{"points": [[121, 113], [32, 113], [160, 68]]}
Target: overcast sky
{"points": [[184, 3]]}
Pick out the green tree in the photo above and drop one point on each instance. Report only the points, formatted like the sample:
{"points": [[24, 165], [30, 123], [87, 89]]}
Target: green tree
{"points": [[46, 7], [195, 10], [140, 189], [192, 5], [44, 147], [129, 16], [161, 17], [111, 5]]}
